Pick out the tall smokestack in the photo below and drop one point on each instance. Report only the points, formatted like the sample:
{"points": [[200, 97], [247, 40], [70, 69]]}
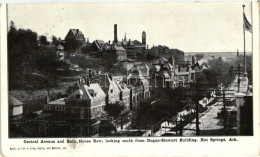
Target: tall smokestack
{"points": [[192, 60], [115, 33]]}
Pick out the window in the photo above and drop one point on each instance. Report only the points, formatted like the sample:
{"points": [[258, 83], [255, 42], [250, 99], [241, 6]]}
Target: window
{"points": [[192, 76], [77, 96]]}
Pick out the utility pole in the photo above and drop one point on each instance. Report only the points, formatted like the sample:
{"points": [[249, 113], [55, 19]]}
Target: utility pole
{"points": [[197, 114], [238, 77], [180, 127], [225, 115]]}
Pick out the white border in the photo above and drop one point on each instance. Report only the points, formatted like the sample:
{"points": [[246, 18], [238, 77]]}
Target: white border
{"points": [[246, 146]]}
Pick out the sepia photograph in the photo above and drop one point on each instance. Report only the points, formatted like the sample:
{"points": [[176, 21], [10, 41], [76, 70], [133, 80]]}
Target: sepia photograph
{"points": [[104, 70]]}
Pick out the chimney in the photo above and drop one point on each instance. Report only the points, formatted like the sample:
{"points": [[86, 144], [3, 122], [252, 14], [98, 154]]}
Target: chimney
{"points": [[109, 42], [129, 40], [48, 98], [115, 33], [77, 30], [147, 47], [88, 82], [192, 60]]}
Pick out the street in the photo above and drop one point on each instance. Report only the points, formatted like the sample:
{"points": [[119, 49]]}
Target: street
{"points": [[208, 121]]}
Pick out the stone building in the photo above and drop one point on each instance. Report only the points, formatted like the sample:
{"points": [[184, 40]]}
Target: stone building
{"points": [[139, 88], [84, 108], [131, 46], [75, 34], [98, 46], [184, 74], [166, 52], [79, 114], [118, 52]]}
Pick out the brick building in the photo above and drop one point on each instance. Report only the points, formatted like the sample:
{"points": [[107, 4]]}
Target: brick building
{"points": [[75, 34]]}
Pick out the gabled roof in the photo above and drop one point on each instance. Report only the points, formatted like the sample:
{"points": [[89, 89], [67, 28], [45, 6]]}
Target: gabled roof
{"points": [[60, 101], [60, 47], [77, 33], [117, 48], [138, 77], [108, 84], [13, 101], [91, 92]]}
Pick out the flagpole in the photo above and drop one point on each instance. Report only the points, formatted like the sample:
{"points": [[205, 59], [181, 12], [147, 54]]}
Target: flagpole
{"points": [[244, 40]]}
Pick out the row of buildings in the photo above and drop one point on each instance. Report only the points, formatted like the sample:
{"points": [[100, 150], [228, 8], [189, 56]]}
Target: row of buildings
{"points": [[83, 111], [121, 49]]}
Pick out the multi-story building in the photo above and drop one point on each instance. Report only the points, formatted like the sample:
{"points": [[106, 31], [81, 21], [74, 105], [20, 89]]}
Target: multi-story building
{"points": [[79, 114], [84, 108], [75, 34], [118, 52], [131, 47], [139, 88]]}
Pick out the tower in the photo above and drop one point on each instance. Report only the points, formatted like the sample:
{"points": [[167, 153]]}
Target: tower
{"points": [[237, 53], [144, 38], [115, 33], [125, 37]]}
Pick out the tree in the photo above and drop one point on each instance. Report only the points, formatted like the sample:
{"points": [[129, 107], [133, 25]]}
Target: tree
{"points": [[29, 62], [221, 69], [71, 44], [152, 55], [108, 60], [199, 56], [12, 26], [208, 79], [43, 40], [115, 109], [55, 40]]}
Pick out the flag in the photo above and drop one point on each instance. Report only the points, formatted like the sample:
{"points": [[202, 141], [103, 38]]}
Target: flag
{"points": [[247, 25]]}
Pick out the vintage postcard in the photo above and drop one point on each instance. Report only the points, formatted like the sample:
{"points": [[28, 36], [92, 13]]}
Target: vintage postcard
{"points": [[130, 79]]}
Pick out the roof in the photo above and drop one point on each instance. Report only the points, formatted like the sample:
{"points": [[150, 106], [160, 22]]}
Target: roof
{"points": [[131, 43], [50, 115], [60, 47], [117, 48], [60, 101], [122, 86], [127, 60], [137, 76], [181, 73], [77, 33], [13, 101], [107, 84], [166, 75], [93, 91], [155, 68]]}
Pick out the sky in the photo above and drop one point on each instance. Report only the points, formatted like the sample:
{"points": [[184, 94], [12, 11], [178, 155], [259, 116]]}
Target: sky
{"points": [[187, 26]]}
